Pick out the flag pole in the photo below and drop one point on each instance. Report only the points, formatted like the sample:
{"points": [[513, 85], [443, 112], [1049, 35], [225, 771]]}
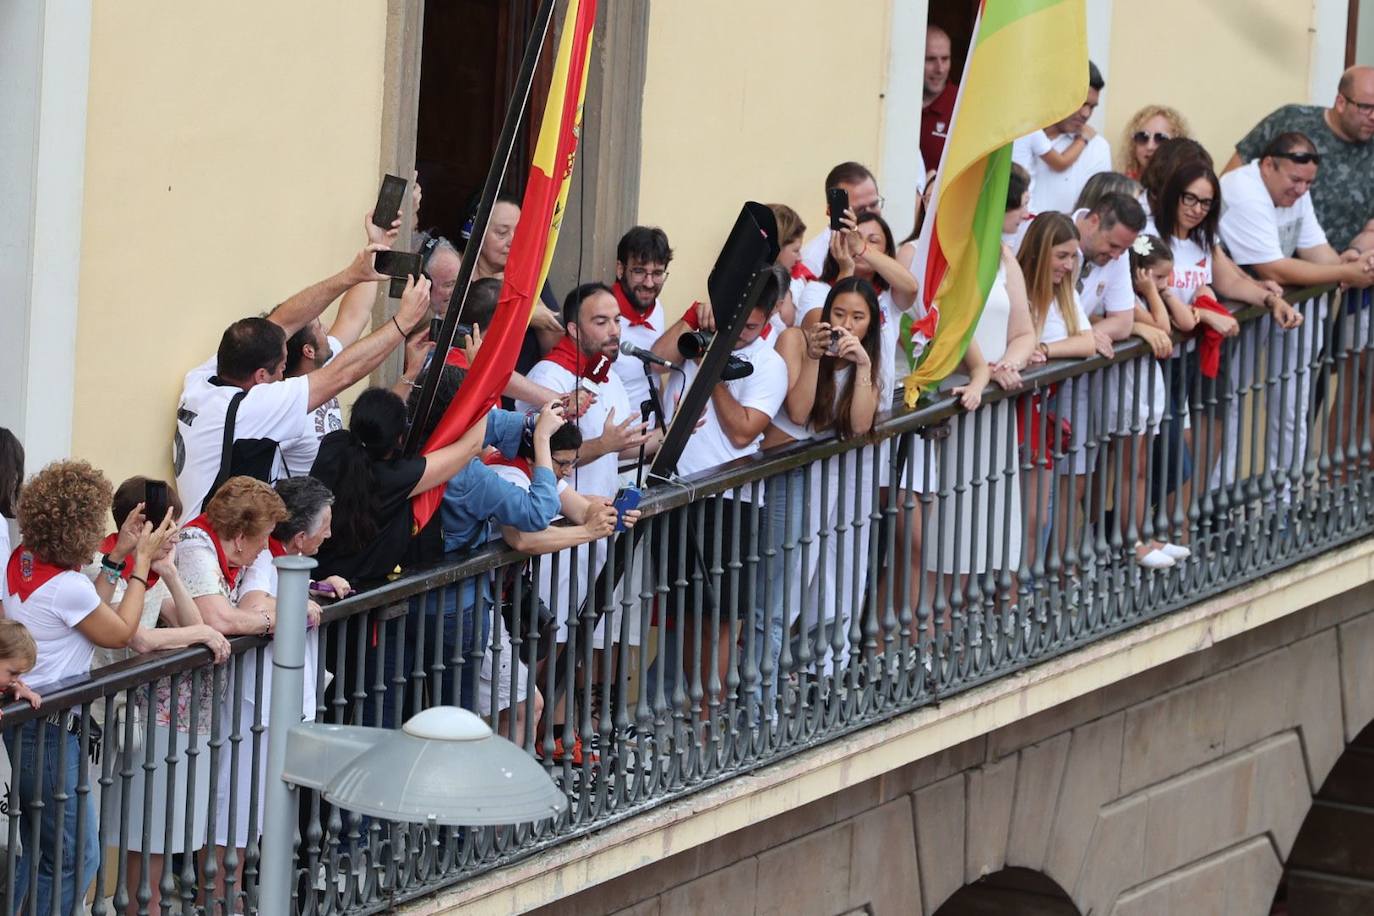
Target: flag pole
{"points": [[496, 174]]}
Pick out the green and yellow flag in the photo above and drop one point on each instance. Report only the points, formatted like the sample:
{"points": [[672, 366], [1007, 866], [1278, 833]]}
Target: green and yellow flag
{"points": [[1027, 67]]}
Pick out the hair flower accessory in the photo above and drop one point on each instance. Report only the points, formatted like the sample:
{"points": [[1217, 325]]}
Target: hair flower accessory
{"points": [[1142, 246]]}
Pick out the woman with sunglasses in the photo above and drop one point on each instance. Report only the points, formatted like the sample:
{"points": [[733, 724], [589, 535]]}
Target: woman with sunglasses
{"points": [[1147, 130]]}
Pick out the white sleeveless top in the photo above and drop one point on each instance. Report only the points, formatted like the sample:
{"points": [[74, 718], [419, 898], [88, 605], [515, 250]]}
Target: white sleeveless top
{"points": [[991, 332]]}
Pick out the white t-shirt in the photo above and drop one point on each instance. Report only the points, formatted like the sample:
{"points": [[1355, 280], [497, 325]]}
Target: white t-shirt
{"points": [[1257, 232], [5, 551], [277, 411], [1192, 269], [813, 253], [1051, 190], [630, 369], [1026, 150], [298, 454], [813, 299], [600, 477], [1055, 328], [51, 614], [764, 391], [1108, 288]]}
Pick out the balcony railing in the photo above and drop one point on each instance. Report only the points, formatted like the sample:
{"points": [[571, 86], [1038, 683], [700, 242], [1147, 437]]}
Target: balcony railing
{"points": [[880, 573]]}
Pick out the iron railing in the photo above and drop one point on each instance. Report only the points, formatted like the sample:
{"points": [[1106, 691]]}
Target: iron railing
{"points": [[846, 582]]}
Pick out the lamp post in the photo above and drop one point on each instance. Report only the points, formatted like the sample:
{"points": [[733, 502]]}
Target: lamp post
{"points": [[444, 766]]}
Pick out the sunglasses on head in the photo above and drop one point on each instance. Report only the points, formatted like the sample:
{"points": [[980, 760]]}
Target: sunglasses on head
{"points": [[1300, 158], [1141, 137]]}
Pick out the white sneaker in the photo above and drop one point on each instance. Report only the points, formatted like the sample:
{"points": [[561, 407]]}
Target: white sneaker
{"points": [[1155, 559], [1175, 552]]}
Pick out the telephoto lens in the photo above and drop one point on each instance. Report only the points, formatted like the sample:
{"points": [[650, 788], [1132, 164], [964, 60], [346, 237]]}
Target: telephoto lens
{"points": [[693, 344]]}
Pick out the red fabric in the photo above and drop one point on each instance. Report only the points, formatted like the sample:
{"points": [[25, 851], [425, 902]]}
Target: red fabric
{"points": [[276, 547], [128, 570], [524, 272], [1209, 349], [500, 460], [628, 311], [1043, 430], [928, 324], [801, 272], [569, 357], [230, 573], [692, 318], [456, 357], [26, 574]]}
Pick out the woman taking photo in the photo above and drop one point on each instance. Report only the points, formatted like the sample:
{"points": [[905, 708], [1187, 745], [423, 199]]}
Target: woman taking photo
{"points": [[62, 521]]}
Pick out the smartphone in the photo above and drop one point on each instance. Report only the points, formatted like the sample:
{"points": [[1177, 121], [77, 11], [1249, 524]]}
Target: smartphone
{"points": [[398, 264], [388, 201], [156, 499], [834, 347], [625, 500], [837, 200]]}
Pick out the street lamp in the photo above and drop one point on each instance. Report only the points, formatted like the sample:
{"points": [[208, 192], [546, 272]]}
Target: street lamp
{"points": [[444, 766]]}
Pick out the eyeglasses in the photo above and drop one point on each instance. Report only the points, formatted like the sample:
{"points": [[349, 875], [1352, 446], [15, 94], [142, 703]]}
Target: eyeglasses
{"points": [[1188, 199], [565, 465], [1364, 108], [875, 207], [1141, 137], [1300, 158], [640, 273]]}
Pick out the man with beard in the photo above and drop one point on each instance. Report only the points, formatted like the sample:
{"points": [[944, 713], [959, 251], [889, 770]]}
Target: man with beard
{"points": [[641, 268]]}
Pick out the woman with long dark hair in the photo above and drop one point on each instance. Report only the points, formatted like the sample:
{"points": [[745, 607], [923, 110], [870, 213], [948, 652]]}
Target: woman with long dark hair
{"points": [[372, 485]]}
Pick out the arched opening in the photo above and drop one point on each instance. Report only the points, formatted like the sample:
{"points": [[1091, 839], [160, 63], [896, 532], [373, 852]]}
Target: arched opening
{"points": [[1330, 871], [1011, 890]]}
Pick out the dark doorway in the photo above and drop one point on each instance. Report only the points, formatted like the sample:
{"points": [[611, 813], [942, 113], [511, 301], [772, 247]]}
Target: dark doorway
{"points": [[956, 18], [1330, 871], [1011, 890], [469, 58]]}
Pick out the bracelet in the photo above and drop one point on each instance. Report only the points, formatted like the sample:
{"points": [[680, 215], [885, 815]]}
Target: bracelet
{"points": [[111, 575], [266, 624], [139, 579], [106, 562], [398, 325]]}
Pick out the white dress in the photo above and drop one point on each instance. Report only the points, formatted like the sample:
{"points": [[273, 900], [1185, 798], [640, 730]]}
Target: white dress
{"points": [[992, 478]]}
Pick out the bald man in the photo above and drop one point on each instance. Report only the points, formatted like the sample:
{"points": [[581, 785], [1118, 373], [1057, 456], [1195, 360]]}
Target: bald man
{"points": [[1344, 137], [937, 96]]}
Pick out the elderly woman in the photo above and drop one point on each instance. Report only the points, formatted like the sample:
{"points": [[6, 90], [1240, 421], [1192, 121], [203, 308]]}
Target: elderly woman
{"points": [[170, 620], [61, 522]]}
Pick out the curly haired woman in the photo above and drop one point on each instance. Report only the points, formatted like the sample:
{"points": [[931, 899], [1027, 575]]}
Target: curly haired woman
{"points": [[1145, 131], [61, 523]]}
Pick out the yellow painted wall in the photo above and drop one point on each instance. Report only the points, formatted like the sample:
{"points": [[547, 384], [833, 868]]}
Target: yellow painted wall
{"points": [[745, 101], [1224, 64], [231, 150]]}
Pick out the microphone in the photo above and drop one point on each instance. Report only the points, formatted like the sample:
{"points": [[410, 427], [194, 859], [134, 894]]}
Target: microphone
{"points": [[644, 355]]}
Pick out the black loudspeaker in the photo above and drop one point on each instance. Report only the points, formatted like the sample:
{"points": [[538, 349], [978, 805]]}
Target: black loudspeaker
{"points": [[751, 247]]}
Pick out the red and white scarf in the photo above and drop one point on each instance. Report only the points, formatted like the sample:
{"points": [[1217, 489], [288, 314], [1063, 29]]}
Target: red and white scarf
{"points": [[230, 573], [567, 355]]}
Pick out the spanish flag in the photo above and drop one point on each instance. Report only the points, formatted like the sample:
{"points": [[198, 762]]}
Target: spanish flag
{"points": [[541, 214], [1027, 67]]}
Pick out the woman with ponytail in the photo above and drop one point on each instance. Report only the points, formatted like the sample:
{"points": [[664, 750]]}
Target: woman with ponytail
{"points": [[373, 483]]}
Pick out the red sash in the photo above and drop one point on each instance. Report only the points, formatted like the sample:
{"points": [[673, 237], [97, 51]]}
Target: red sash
{"points": [[128, 570], [1209, 349], [628, 311], [26, 573], [230, 573], [567, 355]]}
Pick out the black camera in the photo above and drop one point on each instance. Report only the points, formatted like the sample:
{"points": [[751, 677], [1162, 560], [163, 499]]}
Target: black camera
{"points": [[694, 343]]}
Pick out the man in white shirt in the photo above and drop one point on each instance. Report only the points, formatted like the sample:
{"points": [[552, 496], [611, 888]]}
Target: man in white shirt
{"points": [[1269, 227], [1107, 296], [641, 268], [862, 188], [1054, 190], [252, 360]]}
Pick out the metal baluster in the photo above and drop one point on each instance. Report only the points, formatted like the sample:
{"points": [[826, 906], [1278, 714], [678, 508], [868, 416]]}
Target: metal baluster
{"points": [[952, 504]]}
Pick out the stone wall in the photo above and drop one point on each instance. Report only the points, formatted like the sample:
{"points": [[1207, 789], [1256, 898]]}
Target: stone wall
{"points": [[1178, 790]]}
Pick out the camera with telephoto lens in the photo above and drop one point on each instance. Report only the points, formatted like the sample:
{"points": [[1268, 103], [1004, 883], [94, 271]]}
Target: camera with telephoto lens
{"points": [[694, 343]]}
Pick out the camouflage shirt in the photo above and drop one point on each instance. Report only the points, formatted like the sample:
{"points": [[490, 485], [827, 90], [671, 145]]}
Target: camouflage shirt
{"points": [[1343, 194]]}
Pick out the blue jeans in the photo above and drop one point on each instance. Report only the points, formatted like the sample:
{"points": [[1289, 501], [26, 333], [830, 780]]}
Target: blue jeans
{"points": [[41, 781], [424, 621]]}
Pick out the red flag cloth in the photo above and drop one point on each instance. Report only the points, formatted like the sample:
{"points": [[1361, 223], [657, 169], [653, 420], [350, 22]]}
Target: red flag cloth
{"points": [[109, 544], [1209, 349], [531, 249], [26, 574]]}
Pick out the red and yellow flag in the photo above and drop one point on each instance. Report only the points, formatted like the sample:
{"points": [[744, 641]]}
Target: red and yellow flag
{"points": [[1027, 67], [546, 197]]}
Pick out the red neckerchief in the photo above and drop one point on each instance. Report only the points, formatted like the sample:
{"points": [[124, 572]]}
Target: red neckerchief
{"points": [[629, 311], [496, 459], [456, 357], [230, 573], [569, 357], [276, 547], [109, 544], [1209, 349], [692, 318], [801, 272], [26, 574]]}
